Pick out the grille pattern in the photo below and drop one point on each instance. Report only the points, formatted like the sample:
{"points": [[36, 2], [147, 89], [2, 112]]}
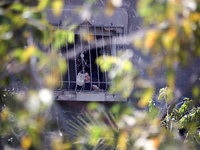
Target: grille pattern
{"points": [[90, 42]]}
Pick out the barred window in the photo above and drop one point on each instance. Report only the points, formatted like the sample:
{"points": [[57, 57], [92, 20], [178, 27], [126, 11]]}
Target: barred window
{"points": [[90, 42], [99, 36]]}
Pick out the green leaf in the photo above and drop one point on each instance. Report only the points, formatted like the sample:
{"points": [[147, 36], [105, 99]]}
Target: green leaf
{"points": [[151, 105], [62, 65], [17, 7], [127, 66], [115, 108], [70, 37], [195, 92], [146, 97], [42, 4], [92, 106]]}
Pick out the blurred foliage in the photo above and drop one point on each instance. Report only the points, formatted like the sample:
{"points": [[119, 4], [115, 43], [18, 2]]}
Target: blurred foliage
{"points": [[121, 72], [123, 127], [124, 77], [29, 73], [174, 33], [166, 94], [185, 117]]}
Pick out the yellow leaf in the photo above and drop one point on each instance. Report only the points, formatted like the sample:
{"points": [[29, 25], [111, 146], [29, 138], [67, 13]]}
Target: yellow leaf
{"points": [[29, 51], [70, 37], [195, 92], [171, 79], [156, 142], [195, 16], [67, 146], [186, 27], [127, 66], [57, 7], [57, 143], [168, 61], [167, 38], [150, 38], [122, 140], [171, 10], [42, 4], [62, 65], [109, 9], [172, 33], [146, 97], [52, 79], [4, 113], [26, 142]]}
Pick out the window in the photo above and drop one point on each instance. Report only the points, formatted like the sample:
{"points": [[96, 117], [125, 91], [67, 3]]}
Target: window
{"points": [[91, 41], [86, 49]]}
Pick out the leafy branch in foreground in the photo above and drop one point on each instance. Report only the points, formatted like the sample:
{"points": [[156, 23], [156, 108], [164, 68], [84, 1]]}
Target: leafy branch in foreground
{"points": [[122, 127]]}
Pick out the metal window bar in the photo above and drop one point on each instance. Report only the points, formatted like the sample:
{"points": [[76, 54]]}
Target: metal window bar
{"points": [[104, 56], [95, 28], [110, 40], [75, 66], [88, 35], [82, 55], [92, 50], [117, 45], [61, 83], [68, 71]]}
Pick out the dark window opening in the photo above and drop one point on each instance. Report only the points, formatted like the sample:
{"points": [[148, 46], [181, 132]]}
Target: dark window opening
{"points": [[86, 53]]}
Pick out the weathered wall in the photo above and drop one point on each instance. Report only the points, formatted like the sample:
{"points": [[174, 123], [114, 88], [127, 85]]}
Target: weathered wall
{"points": [[129, 5]]}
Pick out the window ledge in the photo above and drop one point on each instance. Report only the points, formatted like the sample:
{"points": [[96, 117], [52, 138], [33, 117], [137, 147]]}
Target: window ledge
{"points": [[88, 96]]}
